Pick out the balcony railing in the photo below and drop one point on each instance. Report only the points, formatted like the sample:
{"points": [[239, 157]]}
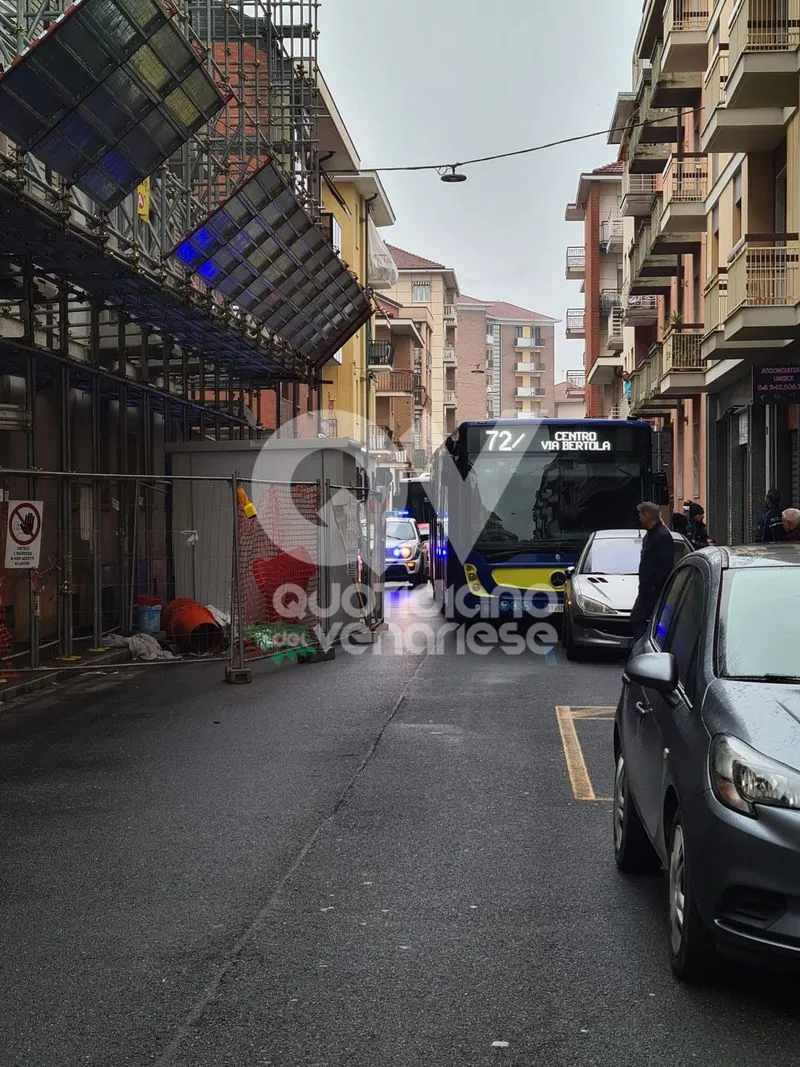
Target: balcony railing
{"points": [[450, 313], [764, 273], [640, 184], [527, 342], [765, 26], [611, 232], [524, 391], [328, 427], [686, 180], [490, 340], [715, 302], [576, 378], [615, 326], [576, 322], [396, 381], [716, 83], [449, 398], [449, 355], [576, 260], [380, 353], [641, 310], [609, 298], [686, 15], [530, 368], [613, 413], [681, 349]]}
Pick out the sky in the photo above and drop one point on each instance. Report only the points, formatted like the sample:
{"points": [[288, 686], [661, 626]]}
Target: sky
{"points": [[440, 81]]}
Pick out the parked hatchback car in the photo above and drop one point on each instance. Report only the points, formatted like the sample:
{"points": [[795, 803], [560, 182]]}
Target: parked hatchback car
{"points": [[707, 751], [602, 589]]}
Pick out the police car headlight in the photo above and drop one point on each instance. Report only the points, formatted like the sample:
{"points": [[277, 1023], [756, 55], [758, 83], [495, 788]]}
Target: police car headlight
{"points": [[406, 552], [592, 607]]}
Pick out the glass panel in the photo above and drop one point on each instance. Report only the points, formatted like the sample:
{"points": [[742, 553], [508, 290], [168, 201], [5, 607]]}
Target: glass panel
{"points": [[759, 627], [616, 555], [181, 109], [173, 51], [149, 68]]}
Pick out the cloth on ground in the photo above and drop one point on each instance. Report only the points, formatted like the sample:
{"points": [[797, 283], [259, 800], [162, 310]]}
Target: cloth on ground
{"points": [[140, 646]]}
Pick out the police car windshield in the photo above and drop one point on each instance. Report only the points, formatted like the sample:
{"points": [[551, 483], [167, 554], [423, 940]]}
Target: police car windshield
{"points": [[400, 531]]}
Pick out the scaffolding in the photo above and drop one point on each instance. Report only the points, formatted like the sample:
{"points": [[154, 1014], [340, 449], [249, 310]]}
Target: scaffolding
{"points": [[110, 349]]}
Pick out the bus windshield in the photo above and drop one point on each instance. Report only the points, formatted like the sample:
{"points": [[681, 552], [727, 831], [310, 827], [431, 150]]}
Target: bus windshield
{"points": [[545, 501]]}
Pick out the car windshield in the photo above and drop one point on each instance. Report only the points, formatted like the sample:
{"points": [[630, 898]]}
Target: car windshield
{"points": [[613, 555], [759, 627], [400, 531]]}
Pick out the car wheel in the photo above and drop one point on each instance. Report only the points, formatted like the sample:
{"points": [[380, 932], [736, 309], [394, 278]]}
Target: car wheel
{"points": [[573, 652], [633, 852], [691, 947]]}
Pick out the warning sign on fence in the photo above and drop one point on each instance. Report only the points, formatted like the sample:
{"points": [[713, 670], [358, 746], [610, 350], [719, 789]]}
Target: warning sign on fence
{"points": [[23, 533]]}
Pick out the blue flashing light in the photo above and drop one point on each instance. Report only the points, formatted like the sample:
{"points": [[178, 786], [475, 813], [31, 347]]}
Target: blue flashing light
{"points": [[204, 238]]}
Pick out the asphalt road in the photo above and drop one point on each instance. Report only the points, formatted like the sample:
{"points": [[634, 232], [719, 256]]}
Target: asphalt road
{"points": [[370, 862]]}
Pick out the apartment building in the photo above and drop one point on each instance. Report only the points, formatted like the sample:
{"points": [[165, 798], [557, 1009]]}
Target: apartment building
{"points": [[400, 365], [425, 284], [597, 264], [509, 352], [659, 126]]}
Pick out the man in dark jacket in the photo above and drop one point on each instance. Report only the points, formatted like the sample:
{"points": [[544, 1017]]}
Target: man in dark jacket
{"points": [[697, 531], [655, 566], [770, 527]]}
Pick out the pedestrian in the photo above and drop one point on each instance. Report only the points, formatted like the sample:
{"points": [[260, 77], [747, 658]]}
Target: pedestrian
{"points": [[770, 527], [655, 566], [697, 531], [680, 524], [790, 520]]}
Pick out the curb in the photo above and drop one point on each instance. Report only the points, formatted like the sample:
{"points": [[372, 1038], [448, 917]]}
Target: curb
{"points": [[46, 677]]}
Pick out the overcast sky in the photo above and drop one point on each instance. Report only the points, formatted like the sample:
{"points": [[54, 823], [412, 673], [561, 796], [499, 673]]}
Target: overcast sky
{"points": [[435, 81]]}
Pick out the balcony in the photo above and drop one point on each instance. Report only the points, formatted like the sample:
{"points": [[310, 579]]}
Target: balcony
{"points": [[380, 354], [764, 54], [576, 263], [673, 241], [683, 368], [609, 299], [576, 379], [449, 356], [638, 191], [685, 191], [328, 427], [449, 398], [764, 289], [604, 370], [383, 446], [395, 383], [640, 311], [530, 368], [521, 342], [450, 314], [673, 88], [685, 25], [615, 326], [614, 414], [524, 392], [650, 273], [611, 235], [730, 129], [422, 459], [490, 340], [576, 324]]}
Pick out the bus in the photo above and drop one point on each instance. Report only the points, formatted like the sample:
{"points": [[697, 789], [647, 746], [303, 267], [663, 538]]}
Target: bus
{"points": [[515, 501]]}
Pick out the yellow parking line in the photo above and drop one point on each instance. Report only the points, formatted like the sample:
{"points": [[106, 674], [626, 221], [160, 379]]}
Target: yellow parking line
{"points": [[573, 754]]}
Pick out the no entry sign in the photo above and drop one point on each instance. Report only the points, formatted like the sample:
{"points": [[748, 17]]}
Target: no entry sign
{"points": [[23, 533]]}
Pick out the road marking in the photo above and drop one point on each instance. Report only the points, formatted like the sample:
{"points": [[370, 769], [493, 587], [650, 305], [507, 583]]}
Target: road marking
{"points": [[582, 788]]}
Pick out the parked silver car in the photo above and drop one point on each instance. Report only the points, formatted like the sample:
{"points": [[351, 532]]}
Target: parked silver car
{"points": [[601, 591]]}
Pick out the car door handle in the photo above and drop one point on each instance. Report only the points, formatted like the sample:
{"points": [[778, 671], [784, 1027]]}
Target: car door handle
{"points": [[642, 709]]}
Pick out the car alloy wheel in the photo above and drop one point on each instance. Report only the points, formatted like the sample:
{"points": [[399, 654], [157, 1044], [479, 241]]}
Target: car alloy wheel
{"points": [[691, 948], [677, 889]]}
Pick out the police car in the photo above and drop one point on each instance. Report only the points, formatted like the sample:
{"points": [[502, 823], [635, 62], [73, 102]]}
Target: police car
{"points": [[406, 550]]}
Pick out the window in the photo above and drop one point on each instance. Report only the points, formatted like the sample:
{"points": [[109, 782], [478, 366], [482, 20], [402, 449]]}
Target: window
{"points": [[759, 624], [683, 639], [400, 531], [665, 612], [714, 257], [537, 336], [420, 292], [737, 208]]}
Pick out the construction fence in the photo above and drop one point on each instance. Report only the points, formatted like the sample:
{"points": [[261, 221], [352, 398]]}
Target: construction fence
{"points": [[183, 569]]}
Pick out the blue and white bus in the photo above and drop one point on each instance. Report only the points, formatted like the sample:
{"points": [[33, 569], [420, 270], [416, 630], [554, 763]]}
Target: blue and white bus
{"points": [[515, 501]]}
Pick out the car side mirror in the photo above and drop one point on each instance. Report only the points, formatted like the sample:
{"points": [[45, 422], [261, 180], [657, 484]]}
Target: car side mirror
{"points": [[654, 670]]}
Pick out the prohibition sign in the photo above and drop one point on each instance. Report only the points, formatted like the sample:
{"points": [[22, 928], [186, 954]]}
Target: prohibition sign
{"points": [[24, 524]]}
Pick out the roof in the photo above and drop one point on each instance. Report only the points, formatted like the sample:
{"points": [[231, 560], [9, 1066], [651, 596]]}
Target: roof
{"points": [[617, 167], [500, 309], [408, 261], [740, 557], [388, 306], [623, 532], [609, 172], [566, 391]]}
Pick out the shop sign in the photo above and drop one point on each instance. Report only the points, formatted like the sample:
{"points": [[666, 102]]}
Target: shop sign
{"points": [[776, 385]]}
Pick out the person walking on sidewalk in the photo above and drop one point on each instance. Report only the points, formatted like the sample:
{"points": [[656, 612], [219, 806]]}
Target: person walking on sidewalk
{"points": [[655, 566]]}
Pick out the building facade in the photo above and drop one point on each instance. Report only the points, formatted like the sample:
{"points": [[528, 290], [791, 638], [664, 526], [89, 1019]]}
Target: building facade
{"points": [[569, 398], [598, 264], [514, 348], [425, 284]]}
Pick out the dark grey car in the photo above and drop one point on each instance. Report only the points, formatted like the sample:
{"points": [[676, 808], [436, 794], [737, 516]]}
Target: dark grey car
{"points": [[707, 750]]}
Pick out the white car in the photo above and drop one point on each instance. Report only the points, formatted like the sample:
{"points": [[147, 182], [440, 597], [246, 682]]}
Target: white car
{"points": [[602, 589]]}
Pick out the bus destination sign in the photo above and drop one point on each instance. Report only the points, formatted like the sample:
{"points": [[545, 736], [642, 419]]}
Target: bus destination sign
{"points": [[497, 440]]}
